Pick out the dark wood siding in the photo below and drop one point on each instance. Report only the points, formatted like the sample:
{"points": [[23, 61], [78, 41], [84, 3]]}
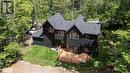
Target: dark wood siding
{"points": [[42, 41], [59, 40], [50, 36], [89, 36], [73, 42], [83, 39]]}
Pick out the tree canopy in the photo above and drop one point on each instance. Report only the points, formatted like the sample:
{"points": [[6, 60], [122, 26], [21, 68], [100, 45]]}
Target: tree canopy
{"points": [[18, 23], [112, 12]]}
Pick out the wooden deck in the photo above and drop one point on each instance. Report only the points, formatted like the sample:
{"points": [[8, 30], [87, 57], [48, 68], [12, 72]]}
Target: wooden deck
{"points": [[71, 57]]}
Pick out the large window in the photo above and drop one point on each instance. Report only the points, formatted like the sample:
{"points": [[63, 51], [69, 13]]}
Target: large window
{"points": [[59, 35], [74, 35], [51, 30]]}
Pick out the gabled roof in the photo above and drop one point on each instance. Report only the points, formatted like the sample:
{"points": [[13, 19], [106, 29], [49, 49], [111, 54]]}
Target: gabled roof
{"points": [[87, 27], [68, 24], [59, 23], [91, 28]]}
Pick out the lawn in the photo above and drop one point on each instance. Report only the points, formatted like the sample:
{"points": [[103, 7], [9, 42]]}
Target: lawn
{"points": [[40, 55], [46, 57]]}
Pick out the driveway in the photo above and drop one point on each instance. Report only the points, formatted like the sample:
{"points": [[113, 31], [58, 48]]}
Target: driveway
{"points": [[25, 67]]}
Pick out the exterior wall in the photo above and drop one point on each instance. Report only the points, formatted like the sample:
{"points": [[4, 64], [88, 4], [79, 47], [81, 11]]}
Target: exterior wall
{"points": [[51, 36], [89, 36], [59, 40], [76, 44], [73, 44], [42, 41], [56, 40]]}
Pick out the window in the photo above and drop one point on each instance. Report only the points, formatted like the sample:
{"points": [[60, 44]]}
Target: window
{"points": [[74, 36], [60, 33], [89, 37], [51, 30]]}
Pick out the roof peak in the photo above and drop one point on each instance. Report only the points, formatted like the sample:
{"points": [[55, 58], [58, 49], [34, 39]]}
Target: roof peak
{"points": [[80, 17], [58, 13]]}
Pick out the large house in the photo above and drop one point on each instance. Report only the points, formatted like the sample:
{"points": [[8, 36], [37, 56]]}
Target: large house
{"points": [[78, 36]]}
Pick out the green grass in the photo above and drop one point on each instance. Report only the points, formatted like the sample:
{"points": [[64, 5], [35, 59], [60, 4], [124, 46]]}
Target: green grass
{"points": [[40, 55], [46, 57]]}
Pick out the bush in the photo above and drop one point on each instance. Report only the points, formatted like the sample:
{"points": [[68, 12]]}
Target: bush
{"points": [[10, 54], [114, 52], [121, 63], [2, 58]]}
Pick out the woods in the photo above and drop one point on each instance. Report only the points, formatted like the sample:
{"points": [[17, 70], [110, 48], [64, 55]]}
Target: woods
{"points": [[107, 11], [114, 15]]}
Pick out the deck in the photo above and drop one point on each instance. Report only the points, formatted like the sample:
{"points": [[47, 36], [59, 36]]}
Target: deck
{"points": [[72, 57]]}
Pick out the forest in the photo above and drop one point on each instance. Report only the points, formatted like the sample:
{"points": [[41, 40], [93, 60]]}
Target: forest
{"points": [[114, 16]]}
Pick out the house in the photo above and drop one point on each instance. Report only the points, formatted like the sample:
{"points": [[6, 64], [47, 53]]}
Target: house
{"points": [[77, 36]]}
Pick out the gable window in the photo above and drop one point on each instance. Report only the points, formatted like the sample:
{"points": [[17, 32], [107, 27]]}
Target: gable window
{"points": [[51, 30], [74, 35]]}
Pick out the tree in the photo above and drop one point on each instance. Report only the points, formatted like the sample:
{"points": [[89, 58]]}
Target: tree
{"points": [[14, 25], [19, 23], [114, 13], [89, 8], [3, 27]]}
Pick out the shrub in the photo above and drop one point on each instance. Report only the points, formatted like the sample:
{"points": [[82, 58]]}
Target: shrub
{"points": [[10, 54], [121, 63], [114, 52], [2, 58]]}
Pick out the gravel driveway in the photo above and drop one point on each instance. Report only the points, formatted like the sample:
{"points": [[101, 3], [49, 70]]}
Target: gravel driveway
{"points": [[25, 67]]}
